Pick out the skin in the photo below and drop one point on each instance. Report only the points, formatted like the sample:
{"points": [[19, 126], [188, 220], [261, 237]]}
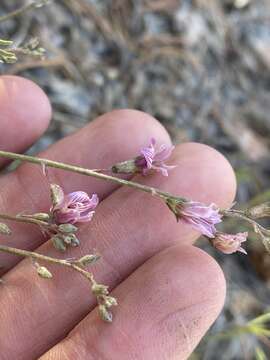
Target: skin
{"points": [[169, 291]]}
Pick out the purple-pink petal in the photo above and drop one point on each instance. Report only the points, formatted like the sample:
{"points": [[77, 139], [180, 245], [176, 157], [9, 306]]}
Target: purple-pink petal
{"points": [[164, 153], [153, 159], [201, 217], [75, 207], [148, 155]]}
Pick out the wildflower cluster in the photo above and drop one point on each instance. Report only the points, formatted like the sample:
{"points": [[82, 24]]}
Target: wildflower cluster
{"points": [[149, 160], [68, 210]]}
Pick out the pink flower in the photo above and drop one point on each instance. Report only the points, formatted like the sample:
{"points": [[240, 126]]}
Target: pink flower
{"points": [[229, 243], [153, 159], [74, 207], [201, 217]]}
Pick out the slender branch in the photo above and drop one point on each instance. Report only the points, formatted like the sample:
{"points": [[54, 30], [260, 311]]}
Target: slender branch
{"points": [[34, 4], [80, 170], [240, 215], [85, 273], [48, 259]]}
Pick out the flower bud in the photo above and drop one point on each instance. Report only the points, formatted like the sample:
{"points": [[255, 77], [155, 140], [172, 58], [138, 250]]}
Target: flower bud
{"points": [[4, 229], [89, 259], [44, 273], [41, 216], [99, 289], [72, 240], [58, 243], [105, 314], [67, 228], [110, 301], [57, 194], [125, 167]]}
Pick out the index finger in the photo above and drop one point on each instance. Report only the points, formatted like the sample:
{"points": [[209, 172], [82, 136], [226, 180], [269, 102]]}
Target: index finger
{"points": [[25, 113]]}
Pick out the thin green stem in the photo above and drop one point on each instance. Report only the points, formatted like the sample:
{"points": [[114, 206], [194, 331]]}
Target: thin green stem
{"points": [[48, 259], [80, 170], [24, 219]]}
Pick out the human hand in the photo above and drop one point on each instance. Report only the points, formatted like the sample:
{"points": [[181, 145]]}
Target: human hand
{"points": [[169, 292]]}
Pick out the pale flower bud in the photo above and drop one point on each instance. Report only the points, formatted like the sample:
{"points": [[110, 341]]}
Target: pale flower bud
{"points": [[44, 273], [67, 228], [89, 259], [4, 229], [110, 301], [104, 313], [71, 239], [58, 243]]}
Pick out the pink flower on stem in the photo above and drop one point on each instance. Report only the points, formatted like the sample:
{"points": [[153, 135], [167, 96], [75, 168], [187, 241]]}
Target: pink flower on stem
{"points": [[74, 207], [229, 243], [201, 217], [153, 159]]}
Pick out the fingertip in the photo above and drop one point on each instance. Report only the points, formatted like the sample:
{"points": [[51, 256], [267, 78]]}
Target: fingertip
{"points": [[25, 112], [133, 125], [199, 265], [198, 286], [191, 288]]}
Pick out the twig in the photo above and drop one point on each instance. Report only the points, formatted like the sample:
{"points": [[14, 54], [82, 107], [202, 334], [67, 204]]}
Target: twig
{"points": [[48, 259], [80, 170], [100, 291], [241, 215]]}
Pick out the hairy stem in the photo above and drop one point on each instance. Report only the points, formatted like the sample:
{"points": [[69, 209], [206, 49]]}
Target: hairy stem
{"points": [[48, 259], [80, 170]]}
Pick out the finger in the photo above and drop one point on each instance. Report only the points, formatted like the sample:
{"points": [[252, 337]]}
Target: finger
{"points": [[100, 144], [124, 238], [165, 307], [25, 113]]}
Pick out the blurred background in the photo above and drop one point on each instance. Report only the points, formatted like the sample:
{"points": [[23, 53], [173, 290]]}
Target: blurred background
{"points": [[202, 68]]}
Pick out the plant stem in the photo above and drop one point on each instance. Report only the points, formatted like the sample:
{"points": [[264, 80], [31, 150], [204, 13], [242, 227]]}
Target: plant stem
{"points": [[34, 4], [80, 170], [23, 219], [48, 259], [240, 215]]}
